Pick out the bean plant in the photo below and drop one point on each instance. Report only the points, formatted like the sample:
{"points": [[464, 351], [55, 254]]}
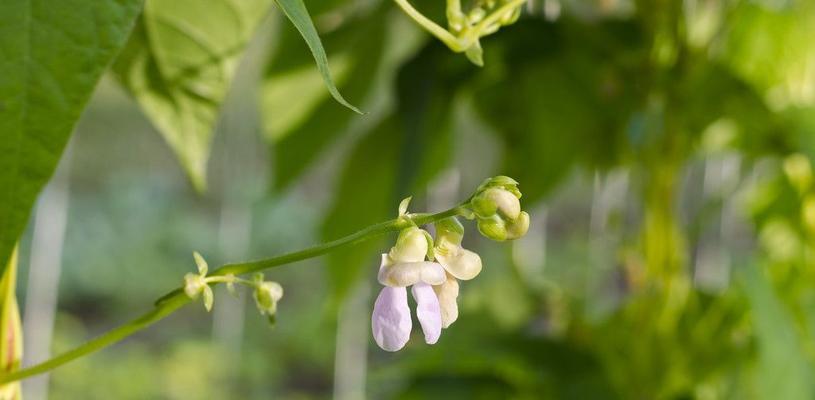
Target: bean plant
{"points": [[662, 247]]}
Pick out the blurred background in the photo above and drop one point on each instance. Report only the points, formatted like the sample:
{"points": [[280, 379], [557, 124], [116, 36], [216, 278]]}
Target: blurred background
{"points": [[664, 152]]}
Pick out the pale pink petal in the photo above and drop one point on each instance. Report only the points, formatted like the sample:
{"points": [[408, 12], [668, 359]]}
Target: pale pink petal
{"points": [[428, 311], [404, 274], [390, 321]]}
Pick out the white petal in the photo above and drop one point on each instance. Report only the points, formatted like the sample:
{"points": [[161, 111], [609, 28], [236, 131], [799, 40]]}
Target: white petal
{"points": [[385, 261], [390, 321], [447, 293], [405, 274], [428, 311], [461, 263]]}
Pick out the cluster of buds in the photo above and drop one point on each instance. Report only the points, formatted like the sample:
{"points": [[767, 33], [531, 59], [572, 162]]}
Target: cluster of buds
{"points": [[484, 18], [266, 293], [431, 273], [433, 267], [465, 29], [496, 206]]}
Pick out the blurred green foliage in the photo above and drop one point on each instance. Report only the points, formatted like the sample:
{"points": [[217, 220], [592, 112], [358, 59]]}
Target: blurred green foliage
{"points": [[663, 148]]}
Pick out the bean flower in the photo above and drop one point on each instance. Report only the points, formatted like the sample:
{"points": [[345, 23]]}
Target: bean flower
{"points": [[405, 266], [459, 264], [433, 268]]}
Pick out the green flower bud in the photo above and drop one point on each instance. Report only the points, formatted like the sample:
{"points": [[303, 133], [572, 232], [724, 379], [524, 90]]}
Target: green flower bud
{"points": [[518, 227], [411, 246], [476, 15], [496, 200], [493, 228], [266, 295], [500, 181], [194, 285], [511, 16]]}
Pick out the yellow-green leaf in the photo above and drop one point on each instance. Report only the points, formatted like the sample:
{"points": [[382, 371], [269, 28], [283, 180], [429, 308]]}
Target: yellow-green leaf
{"points": [[179, 65]]}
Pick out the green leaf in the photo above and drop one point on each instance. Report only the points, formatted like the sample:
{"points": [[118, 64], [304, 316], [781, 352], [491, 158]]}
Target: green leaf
{"points": [[179, 65], [53, 54], [299, 117], [297, 13], [783, 370]]}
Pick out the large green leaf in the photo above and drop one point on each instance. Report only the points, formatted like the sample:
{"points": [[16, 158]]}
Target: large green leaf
{"points": [[52, 54], [299, 117], [297, 13], [179, 64]]}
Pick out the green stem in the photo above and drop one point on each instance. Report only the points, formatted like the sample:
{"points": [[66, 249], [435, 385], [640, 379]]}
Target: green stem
{"points": [[174, 300], [442, 34], [99, 343]]}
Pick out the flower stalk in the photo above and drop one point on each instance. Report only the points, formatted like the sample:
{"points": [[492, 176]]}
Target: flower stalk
{"points": [[176, 299], [436, 297]]}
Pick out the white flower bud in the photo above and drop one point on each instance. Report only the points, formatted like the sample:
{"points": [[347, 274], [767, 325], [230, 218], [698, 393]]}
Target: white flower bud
{"points": [[496, 200], [518, 227], [193, 285], [411, 246], [266, 295]]}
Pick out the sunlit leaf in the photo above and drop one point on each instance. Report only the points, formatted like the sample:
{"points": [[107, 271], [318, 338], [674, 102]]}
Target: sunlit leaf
{"points": [[179, 64], [51, 57], [771, 47], [297, 13]]}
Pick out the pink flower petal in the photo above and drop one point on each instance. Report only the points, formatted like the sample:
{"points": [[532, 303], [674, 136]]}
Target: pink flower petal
{"points": [[428, 311], [390, 321]]}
